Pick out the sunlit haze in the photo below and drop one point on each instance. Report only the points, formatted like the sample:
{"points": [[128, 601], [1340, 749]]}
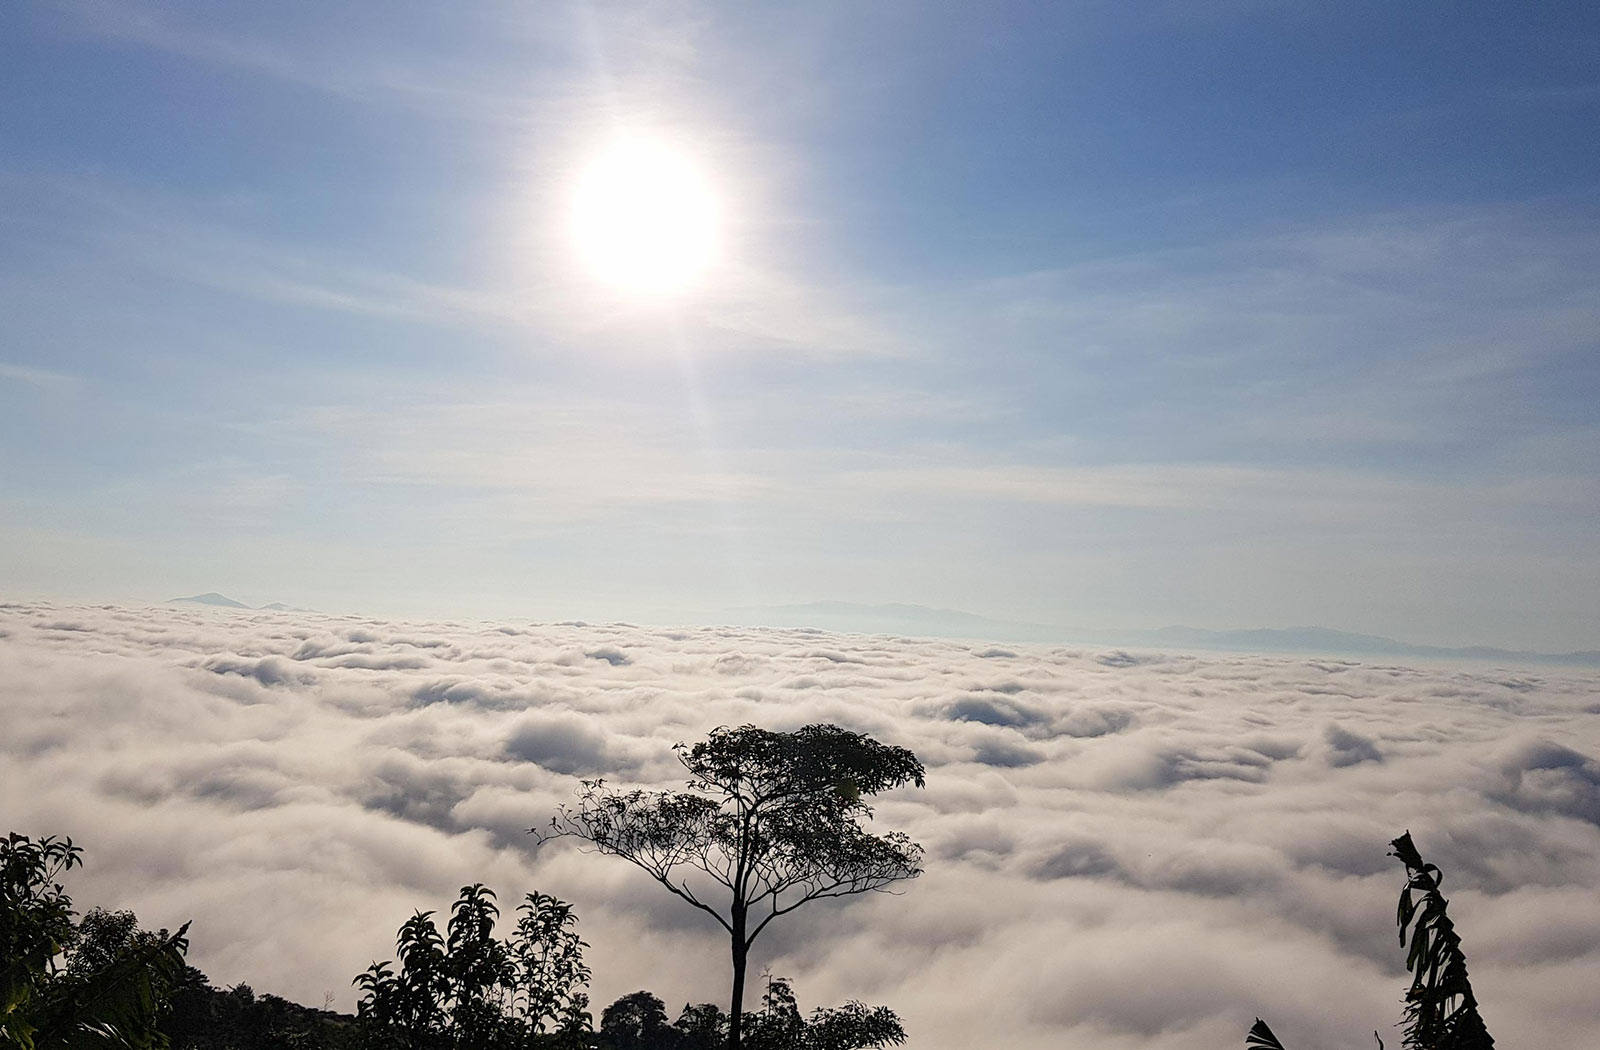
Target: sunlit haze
{"points": [[1097, 316], [644, 217]]}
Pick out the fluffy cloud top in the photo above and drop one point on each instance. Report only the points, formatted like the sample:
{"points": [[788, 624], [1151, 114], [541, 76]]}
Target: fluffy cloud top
{"points": [[1125, 849]]}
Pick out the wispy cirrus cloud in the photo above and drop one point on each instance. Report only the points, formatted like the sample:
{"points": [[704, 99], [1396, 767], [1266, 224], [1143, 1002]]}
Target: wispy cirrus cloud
{"points": [[41, 378], [330, 63]]}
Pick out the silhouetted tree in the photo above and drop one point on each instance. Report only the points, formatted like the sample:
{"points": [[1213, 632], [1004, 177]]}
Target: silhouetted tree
{"points": [[702, 1027], [637, 1021], [206, 1018], [100, 938], [771, 821], [111, 996]]}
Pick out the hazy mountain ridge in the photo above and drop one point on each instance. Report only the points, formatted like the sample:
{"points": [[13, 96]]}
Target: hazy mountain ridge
{"points": [[222, 601], [919, 620], [897, 618]]}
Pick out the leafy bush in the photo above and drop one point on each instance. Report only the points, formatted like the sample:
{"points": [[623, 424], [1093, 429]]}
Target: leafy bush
{"points": [[467, 989]]}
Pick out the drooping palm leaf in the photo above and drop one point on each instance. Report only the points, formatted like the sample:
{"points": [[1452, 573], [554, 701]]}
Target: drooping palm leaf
{"points": [[1261, 1037], [1441, 1011]]}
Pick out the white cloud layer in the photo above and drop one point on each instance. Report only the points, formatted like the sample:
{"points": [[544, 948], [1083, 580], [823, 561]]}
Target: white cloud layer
{"points": [[1124, 849]]}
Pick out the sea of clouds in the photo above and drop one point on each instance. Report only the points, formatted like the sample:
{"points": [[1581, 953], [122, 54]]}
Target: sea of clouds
{"points": [[1124, 849]]}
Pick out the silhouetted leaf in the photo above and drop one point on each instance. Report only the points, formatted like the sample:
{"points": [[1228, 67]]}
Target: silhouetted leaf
{"points": [[1261, 1037], [1441, 1011]]}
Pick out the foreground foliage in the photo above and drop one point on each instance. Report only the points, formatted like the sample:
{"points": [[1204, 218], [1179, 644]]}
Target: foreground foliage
{"points": [[853, 1026], [207, 1018], [468, 989], [1441, 1010], [105, 984], [108, 992], [639, 1022]]}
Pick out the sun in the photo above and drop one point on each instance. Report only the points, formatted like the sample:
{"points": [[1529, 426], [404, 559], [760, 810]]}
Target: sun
{"points": [[644, 218]]}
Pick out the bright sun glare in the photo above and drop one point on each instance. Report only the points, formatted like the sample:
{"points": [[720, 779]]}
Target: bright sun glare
{"points": [[644, 218]]}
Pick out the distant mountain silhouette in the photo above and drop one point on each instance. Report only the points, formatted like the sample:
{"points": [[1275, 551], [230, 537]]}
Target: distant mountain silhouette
{"points": [[951, 623], [222, 601], [212, 598]]}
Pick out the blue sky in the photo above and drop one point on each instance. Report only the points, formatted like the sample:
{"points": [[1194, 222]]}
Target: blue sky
{"points": [[1107, 314]]}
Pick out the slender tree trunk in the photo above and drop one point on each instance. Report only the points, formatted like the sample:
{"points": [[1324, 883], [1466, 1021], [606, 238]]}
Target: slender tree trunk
{"points": [[741, 955]]}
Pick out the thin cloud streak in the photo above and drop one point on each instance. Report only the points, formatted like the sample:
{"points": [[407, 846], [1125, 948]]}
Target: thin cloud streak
{"points": [[366, 79], [40, 378]]}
